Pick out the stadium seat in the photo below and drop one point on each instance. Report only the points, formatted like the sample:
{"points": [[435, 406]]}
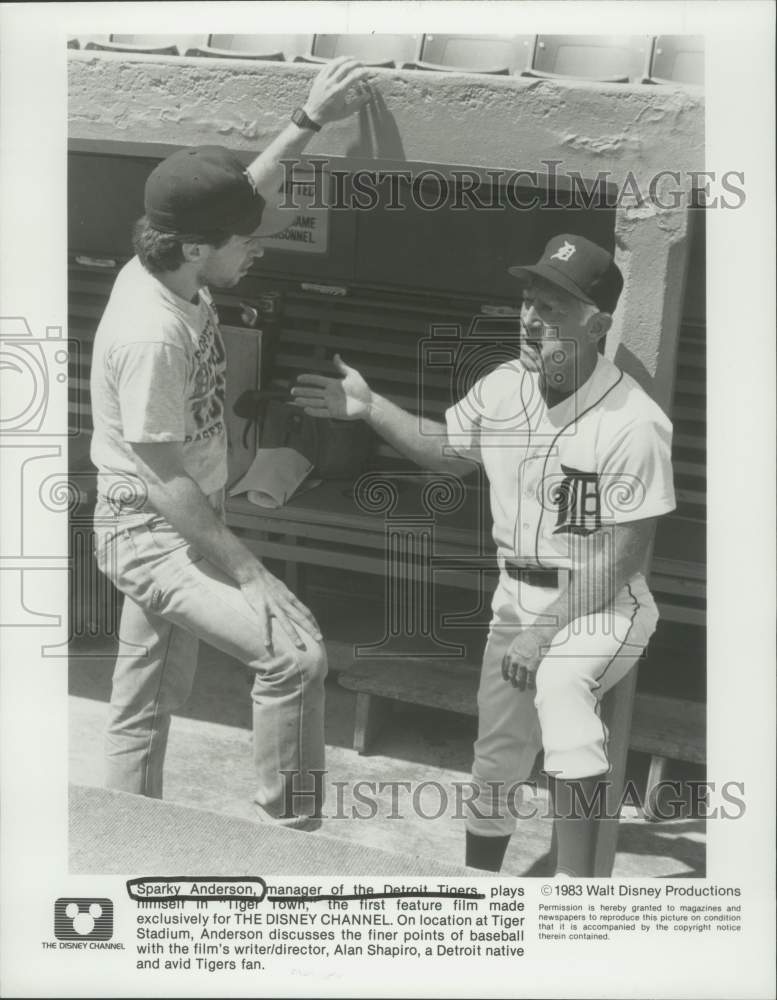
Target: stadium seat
{"points": [[268, 47], [155, 45], [208, 52], [605, 58], [475, 53], [435, 68], [149, 50], [373, 50], [319, 61], [82, 41], [678, 59]]}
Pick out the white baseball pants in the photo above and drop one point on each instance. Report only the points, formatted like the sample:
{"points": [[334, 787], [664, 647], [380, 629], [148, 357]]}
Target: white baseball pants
{"points": [[561, 717]]}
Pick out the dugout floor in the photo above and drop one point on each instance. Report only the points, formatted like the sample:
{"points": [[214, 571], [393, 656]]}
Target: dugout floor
{"points": [[209, 767]]}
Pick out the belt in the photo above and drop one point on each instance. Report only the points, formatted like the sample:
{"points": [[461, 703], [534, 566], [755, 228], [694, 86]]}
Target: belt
{"points": [[532, 575]]}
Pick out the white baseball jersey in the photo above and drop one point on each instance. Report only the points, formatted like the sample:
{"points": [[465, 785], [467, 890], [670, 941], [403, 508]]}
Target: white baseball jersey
{"points": [[601, 456], [598, 458]]}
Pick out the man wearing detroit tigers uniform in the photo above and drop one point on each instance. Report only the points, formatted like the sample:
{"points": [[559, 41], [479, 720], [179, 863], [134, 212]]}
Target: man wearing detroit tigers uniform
{"points": [[578, 462]]}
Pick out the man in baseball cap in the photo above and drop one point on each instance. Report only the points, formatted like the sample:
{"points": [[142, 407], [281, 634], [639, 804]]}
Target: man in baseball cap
{"points": [[205, 217], [582, 268], [160, 446], [569, 297], [207, 189], [578, 460]]}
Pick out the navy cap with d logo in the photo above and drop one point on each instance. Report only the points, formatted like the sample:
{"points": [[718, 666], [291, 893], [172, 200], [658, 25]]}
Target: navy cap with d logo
{"points": [[580, 267]]}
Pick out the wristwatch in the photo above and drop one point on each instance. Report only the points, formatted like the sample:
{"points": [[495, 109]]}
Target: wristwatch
{"points": [[303, 120]]}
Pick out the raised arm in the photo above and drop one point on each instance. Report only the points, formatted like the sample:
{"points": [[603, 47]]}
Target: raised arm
{"points": [[350, 398], [337, 92]]}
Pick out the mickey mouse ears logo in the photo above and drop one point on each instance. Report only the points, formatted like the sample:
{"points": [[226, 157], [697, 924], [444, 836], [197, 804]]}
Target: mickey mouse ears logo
{"points": [[88, 919]]}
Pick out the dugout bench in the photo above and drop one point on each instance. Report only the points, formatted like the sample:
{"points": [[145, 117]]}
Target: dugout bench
{"points": [[424, 526], [391, 516], [398, 515]]}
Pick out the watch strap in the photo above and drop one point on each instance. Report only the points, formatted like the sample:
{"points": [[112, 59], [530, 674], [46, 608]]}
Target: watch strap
{"points": [[302, 120]]}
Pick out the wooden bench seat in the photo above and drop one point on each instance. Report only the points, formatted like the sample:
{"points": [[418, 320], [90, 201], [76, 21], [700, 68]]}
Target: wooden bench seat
{"points": [[326, 523], [665, 728], [381, 333], [383, 339]]}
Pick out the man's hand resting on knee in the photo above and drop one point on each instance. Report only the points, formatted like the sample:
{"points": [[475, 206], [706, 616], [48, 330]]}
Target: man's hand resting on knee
{"points": [[270, 598], [175, 495], [523, 657]]}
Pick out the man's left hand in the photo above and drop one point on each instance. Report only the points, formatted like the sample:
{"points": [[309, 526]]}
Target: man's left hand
{"points": [[328, 100], [523, 656]]}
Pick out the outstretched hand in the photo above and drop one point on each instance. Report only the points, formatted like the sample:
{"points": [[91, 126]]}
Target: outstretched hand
{"points": [[345, 398], [329, 99]]}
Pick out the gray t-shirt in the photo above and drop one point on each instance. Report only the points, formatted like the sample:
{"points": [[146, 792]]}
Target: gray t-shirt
{"points": [[158, 375]]}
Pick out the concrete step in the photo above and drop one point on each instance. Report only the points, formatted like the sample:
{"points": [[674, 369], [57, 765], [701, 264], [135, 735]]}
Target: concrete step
{"points": [[115, 833], [209, 767]]}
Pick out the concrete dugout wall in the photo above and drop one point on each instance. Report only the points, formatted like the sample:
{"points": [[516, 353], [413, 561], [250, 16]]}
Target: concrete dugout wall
{"points": [[636, 133]]}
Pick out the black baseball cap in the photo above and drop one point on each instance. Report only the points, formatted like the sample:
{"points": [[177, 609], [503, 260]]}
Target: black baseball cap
{"points": [[202, 190], [580, 267]]}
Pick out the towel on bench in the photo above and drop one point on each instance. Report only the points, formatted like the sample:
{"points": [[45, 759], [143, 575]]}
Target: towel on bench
{"points": [[275, 476]]}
